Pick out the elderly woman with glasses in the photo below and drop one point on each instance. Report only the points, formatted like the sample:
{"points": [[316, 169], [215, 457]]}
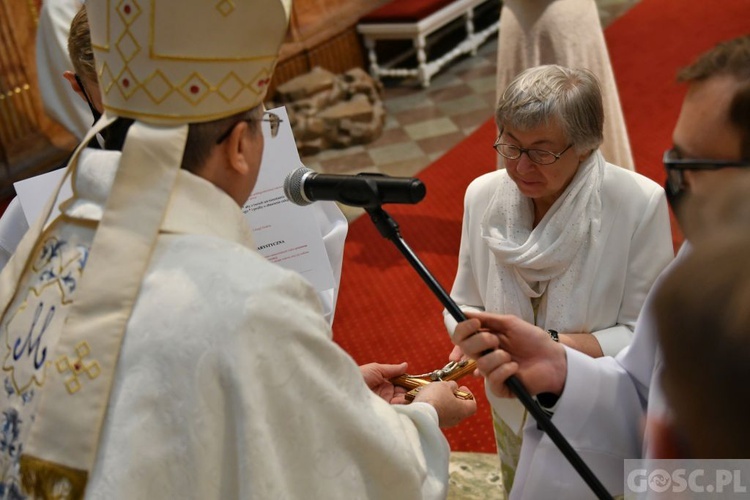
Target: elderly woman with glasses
{"points": [[559, 237]]}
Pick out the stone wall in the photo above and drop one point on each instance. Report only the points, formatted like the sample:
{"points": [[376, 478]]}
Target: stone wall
{"points": [[332, 111]]}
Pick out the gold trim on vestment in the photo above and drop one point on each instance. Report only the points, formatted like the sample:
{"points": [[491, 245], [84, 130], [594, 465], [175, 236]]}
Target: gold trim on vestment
{"points": [[47, 480]]}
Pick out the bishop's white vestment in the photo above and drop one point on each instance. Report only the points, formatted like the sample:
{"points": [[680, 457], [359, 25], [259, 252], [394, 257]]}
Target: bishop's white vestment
{"points": [[228, 384]]}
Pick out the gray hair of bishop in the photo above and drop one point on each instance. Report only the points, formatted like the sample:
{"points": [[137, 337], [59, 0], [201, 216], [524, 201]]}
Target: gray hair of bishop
{"points": [[571, 97]]}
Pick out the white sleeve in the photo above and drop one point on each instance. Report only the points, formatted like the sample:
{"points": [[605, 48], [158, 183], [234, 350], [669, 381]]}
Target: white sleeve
{"points": [[52, 60], [13, 226], [333, 228], [601, 413], [651, 250]]}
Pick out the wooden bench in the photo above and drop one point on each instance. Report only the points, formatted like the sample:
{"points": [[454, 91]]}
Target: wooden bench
{"points": [[416, 20]]}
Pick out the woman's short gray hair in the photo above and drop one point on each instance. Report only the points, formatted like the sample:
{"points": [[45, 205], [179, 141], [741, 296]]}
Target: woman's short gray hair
{"points": [[543, 93]]}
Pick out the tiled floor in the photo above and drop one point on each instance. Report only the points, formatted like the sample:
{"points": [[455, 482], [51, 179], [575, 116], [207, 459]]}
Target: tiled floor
{"points": [[423, 124]]}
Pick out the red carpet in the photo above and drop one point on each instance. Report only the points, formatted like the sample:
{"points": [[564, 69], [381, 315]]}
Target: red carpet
{"points": [[385, 313], [648, 46]]}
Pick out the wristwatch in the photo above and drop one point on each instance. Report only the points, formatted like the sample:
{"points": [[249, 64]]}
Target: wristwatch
{"points": [[554, 335]]}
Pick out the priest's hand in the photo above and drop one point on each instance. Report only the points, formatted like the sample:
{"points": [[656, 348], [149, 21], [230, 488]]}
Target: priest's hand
{"points": [[377, 377], [450, 409], [505, 345]]}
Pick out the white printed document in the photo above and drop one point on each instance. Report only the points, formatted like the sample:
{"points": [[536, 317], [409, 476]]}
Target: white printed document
{"points": [[284, 233]]}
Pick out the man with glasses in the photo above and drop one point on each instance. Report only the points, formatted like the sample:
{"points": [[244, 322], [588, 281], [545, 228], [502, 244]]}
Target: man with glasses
{"points": [[599, 405], [84, 82], [559, 237], [707, 293]]}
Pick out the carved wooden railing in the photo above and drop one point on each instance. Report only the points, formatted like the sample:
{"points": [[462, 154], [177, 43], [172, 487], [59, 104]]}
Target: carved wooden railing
{"points": [[322, 33]]}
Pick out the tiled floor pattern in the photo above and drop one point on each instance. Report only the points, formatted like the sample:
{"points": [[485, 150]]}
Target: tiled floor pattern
{"points": [[423, 124]]}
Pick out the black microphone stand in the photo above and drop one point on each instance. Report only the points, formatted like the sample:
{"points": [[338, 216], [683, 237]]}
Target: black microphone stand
{"points": [[388, 228]]}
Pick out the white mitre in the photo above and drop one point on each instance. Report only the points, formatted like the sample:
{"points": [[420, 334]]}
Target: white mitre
{"points": [[165, 64], [177, 61]]}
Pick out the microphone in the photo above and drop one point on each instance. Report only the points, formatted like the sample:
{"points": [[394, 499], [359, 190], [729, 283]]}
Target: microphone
{"points": [[304, 186]]}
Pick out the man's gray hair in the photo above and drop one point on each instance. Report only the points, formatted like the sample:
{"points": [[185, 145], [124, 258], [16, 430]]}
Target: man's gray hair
{"points": [[542, 94]]}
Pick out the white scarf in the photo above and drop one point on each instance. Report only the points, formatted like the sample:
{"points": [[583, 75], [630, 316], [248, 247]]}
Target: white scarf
{"points": [[548, 258], [545, 262]]}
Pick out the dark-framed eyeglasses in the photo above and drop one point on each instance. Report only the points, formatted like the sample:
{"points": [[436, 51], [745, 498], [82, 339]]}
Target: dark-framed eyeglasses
{"points": [[538, 156], [273, 121], [676, 166]]}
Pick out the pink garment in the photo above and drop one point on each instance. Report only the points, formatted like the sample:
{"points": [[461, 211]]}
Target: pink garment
{"points": [[568, 33]]}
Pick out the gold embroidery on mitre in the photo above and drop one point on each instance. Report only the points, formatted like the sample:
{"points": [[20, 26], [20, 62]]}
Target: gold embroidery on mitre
{"points": [[106, 78], [129, 11], [183, 115], [166, 74], [78, 367], [195, 88], [157, 86], [127, 83], [184, 46], [127, 46], [261, 81], [230, 86], [45, 479]]}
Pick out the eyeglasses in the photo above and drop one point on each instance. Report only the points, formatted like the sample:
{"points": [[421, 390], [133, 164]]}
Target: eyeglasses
{"points": [[273, 120], [538, 156], [676, 167]]}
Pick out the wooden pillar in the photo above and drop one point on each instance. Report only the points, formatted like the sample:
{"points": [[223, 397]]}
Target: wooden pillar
{"points": [[30, 143]]}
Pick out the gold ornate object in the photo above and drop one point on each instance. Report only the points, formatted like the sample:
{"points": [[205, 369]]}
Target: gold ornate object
{"points": [[34, 6], [43, 479], [452, 371], [18, 116]]}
